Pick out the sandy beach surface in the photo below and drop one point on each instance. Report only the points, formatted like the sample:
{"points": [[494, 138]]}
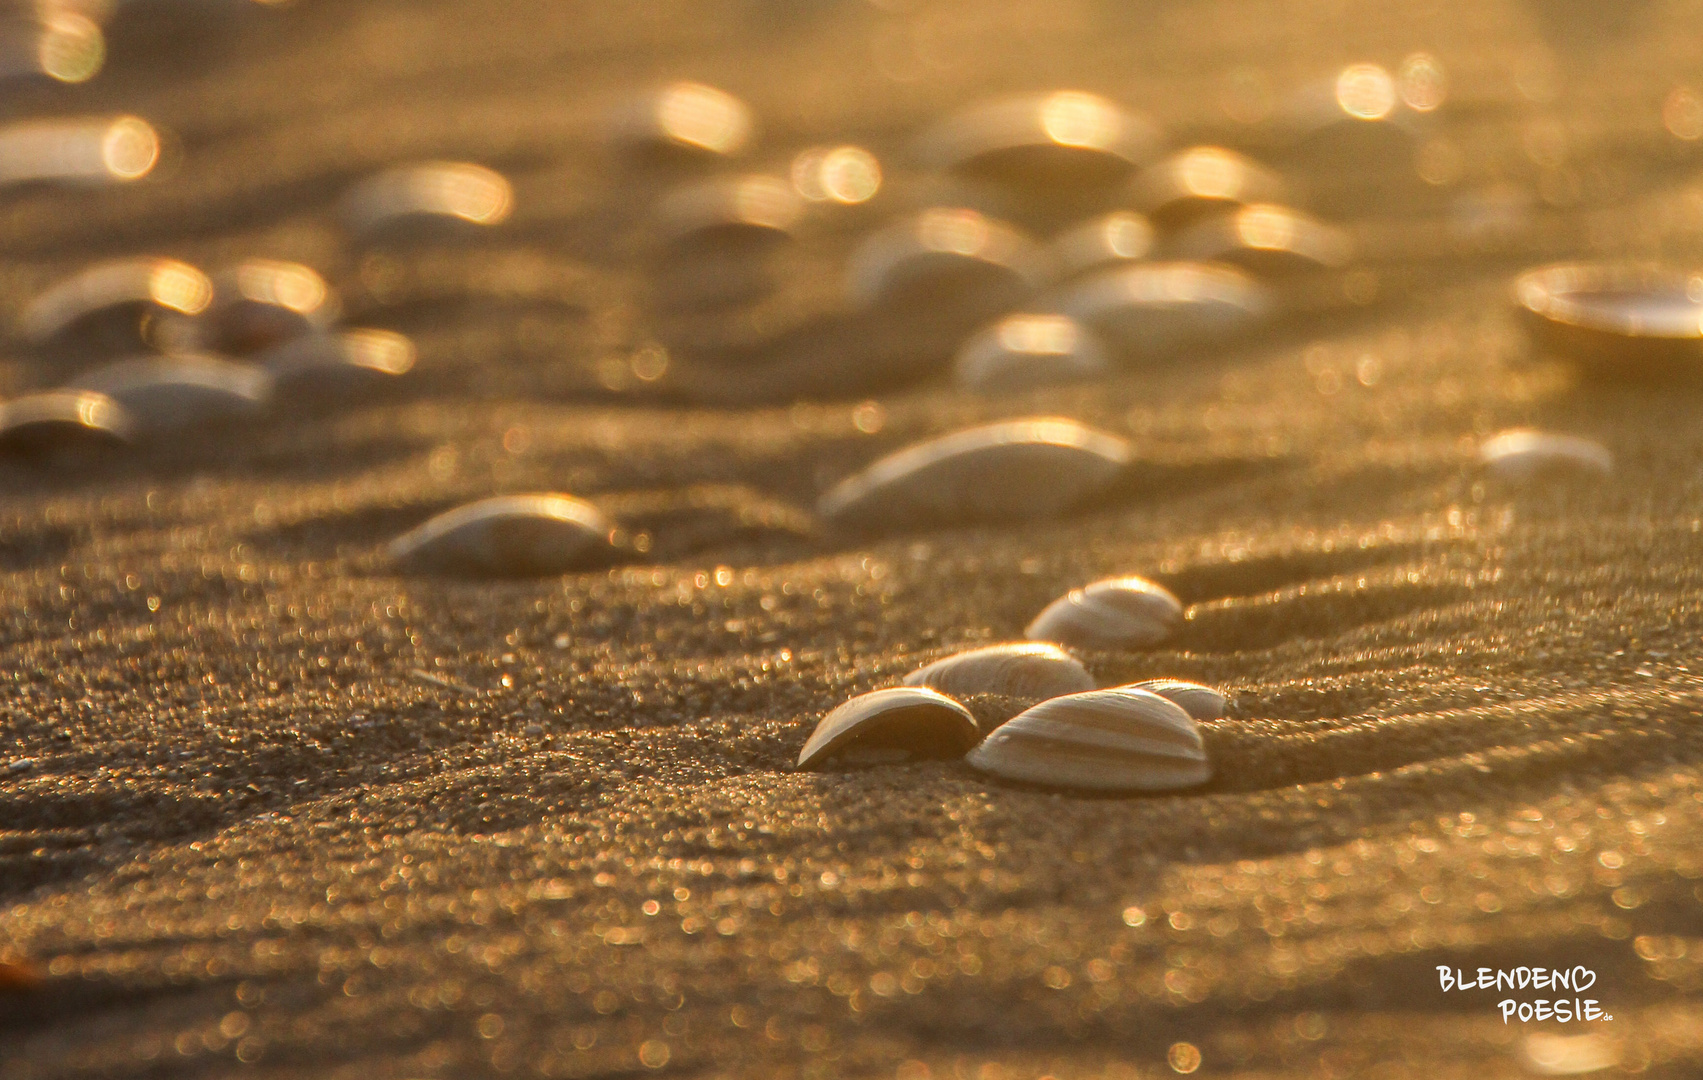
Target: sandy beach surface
{"points": [[269, 808]]}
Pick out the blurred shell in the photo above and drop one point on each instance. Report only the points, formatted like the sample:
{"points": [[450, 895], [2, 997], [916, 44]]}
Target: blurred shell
{"points": [[1200, 702], [1103, 740], [686, 119], [1355, 121], [105, 307], [433, 198], [1200, 181], [1522, 455], [939, 255], [1103, 242], [898, 723], [259, 303], [165, 392], [1027, 669], [1117, 613], [1158, 309], [1266, 239], [840, 175], [1616, 320], [95, 151], [325, 365], [1024, 351], [62, 45], [61, 421], [1017, 469], [508, 536], [1059, 142], [728, 211]]}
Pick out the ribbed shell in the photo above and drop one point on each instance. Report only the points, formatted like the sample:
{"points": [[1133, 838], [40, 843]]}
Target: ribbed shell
{"points": [[1117, 613], [508, 536], [1102, 740], [1025, 669], [162, 393], [1017, 469], [1520, 456], [906, 721], [1200, 702]]}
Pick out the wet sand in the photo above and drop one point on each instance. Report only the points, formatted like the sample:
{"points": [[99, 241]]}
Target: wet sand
{"points": [[269, 809]]}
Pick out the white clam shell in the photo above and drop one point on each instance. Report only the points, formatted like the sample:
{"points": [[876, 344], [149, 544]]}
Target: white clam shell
{"points": [[1521, 455], [1017, 469], [426, 195], [904, 721], [329, 364], [1157, 309], [1266, 238], [685, 118], [727, 210], [1102, 740], [507, 536], [1027, 669], [94, 151], [1024, 351], [1202, 180], [124, 289], [46, 423], [1106, 241], [1064, 138], [1117, 613], [1200, 702], [161, 393], [262, 302], [939, 254]]}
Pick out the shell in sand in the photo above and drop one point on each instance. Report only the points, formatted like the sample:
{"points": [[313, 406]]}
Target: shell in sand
{"points": [[1102, 740]]}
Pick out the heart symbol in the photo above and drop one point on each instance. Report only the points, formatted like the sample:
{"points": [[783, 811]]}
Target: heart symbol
{"points": [[1578, 974]]}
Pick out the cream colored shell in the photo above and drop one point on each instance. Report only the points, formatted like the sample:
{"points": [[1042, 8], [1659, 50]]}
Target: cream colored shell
{"points": [[507, 536], [899, 722], [1200, 702], [1521, 455], [1118, 613], [1102, 740], [1025, 669]]}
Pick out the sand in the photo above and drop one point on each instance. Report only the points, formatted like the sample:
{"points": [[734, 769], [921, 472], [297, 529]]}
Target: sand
{"points": [[269, 809]]}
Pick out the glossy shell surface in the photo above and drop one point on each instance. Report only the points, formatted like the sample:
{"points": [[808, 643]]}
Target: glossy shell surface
{"points": [[161, 393], [1024, 351], [1154, 310], [1266, 239], [1058, 141], [63, 421], [427, 198], [890, 725], [78, 151], [259, 303], [1102, 740], [327, 364], [1106, 241], [1523, 455], [941, 254], [508, 536], [1202, 180], [1117, 613], [728, 210], [118, 291], [1012, 470], [1616, 320], [686, 119], [1025, 669], [1200, 702]]}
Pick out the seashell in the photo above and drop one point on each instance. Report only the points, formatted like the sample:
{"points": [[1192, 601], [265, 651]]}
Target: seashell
{"points": [[1521, 455], [259, 303], [1357, 121], [508, 536], [161, 393], [1549, 1054], [940, 255], [1154, 310], [1058, 143], [841, 175], [1101, 740], [1200, 702], [1266, 239], [738, 211], [685, 119], [121, 305], [1616, 320], [1021, 352], [1104, 242], [63, 45], [433, 198], [63, 422], [894, 724], [1117, 613], [334, 365], [94, 151], [1202, 181], [1025, 669], [1017, 469]]}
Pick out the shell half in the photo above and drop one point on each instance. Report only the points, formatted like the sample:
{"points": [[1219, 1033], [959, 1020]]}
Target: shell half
{"points": [[1026, 669], [508, 536], [897, 723], [163, 393], [1118, 613], [1521, 456], [1102, 740], [1200, 702]]}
